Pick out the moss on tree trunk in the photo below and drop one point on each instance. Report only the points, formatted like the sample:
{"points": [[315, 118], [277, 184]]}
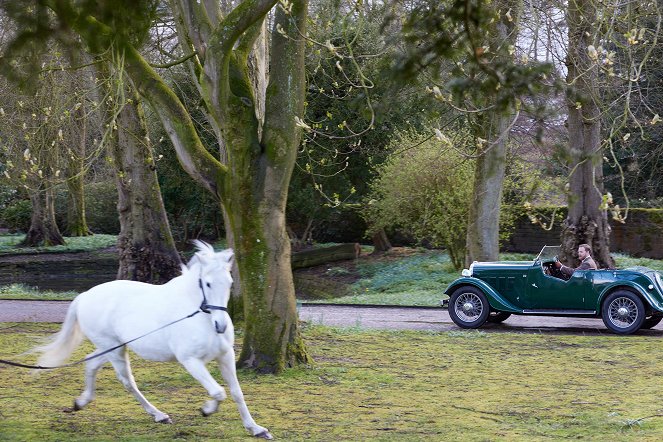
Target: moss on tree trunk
{"points": [[146, 246], [587, 221]]}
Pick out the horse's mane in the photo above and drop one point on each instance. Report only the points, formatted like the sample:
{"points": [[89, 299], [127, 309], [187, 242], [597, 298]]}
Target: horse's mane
{"points": [[206, 249], [202, 246]]}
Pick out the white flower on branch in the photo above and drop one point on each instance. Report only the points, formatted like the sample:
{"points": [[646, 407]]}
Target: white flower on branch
{"points": [[331, 47], [592, 52], [441, 137], [280, 29], [508, 16], [60, 136], [300, 123], [286, 6], [655, 120], [26, 154]]}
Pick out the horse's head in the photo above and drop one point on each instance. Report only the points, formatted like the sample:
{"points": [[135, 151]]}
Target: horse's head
{"points": [[214, 281]]}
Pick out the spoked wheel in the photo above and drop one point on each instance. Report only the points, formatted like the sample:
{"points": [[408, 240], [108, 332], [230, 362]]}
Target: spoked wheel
{"points": [[498, 317], [651, 322], [468, 307], [623, 312]]}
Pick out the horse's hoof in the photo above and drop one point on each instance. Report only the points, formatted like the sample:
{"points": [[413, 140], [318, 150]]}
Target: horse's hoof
{"points": [[264, 435], [202, 411], [165, 420], [73, 409]]}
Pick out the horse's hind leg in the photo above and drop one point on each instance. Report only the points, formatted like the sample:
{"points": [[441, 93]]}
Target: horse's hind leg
{"points": [[91, 368], [120, 361]]}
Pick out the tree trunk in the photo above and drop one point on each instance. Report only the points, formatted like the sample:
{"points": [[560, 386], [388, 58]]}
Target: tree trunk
{"points": [[76, 220], [272, 339], [586, 222], [380, 241], [252, 183], [483, 229], [43, 228], [146, 246]]}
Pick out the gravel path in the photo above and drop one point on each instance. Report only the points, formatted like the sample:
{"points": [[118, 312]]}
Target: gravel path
{"points": [[432, 319]]}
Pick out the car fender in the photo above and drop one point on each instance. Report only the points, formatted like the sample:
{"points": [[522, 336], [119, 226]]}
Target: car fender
{"points": [[495, 300], [642, 291]]}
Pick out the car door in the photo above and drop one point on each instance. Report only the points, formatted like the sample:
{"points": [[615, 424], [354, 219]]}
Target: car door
{"points": [[546, 292]]}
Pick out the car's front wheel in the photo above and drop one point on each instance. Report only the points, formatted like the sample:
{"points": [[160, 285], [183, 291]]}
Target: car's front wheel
{"points": [[468, 307], [623, 312]]}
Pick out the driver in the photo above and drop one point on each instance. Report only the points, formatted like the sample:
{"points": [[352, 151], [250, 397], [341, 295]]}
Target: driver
{"points": [[586, 261]]}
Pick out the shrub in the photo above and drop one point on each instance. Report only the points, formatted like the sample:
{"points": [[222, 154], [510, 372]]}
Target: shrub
{"points": [[424, 190], [16, 216]]}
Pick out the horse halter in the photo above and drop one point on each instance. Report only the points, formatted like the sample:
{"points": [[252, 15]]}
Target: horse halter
{"points": [[204, 306]]}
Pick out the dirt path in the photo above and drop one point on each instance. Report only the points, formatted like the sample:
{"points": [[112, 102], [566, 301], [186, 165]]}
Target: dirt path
{"points": [[358, 316]]}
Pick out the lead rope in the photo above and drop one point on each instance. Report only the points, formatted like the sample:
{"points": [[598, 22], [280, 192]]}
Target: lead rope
{"points": [[204, 308], [96, 355]]}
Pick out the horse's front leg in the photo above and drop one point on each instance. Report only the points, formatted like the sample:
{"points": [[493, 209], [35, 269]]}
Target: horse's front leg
{"points": [[200, 373], [229, 373]]}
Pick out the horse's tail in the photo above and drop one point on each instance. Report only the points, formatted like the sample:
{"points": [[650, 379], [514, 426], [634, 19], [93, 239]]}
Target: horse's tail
{"points": [[62, 344]]}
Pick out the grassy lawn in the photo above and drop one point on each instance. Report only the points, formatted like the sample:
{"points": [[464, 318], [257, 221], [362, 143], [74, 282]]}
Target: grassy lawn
{"points": [[421, 279], [367, 385], [9, 244]]}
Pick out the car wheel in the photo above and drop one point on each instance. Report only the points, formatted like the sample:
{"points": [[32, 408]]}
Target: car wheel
{"points": [[497, 317], [651, 322], [468, 307], [623, 312]]}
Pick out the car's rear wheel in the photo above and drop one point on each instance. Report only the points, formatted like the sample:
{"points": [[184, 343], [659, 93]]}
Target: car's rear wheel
{"points": [[468, 307], [497, 317], [623, 312], [651, 322]]}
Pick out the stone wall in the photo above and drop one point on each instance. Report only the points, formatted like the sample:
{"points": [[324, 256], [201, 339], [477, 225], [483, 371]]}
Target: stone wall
{"points": [[640, 236]]}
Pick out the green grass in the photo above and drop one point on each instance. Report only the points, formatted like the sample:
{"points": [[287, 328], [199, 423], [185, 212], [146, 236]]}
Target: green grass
{"points": [[417, 280], [367, 385], [20, 291], [9, 244]]}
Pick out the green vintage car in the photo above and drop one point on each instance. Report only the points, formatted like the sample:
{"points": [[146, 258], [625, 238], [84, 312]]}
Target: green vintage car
{"points": [[627, 300]]}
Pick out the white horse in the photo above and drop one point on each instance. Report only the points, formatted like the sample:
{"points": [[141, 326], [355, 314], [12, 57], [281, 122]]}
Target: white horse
{"points": [[119, 311]]}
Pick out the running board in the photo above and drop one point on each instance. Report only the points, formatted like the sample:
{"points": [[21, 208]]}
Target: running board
{"points": [[558, 312]]}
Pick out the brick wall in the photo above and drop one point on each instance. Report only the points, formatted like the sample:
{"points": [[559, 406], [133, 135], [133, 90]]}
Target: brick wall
{"points": [[640, 236]]}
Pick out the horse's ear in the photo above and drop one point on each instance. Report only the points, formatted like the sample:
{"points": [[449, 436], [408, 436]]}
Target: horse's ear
{"points": [[227, 256]]}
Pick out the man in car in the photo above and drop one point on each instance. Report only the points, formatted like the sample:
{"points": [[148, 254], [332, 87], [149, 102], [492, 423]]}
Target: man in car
{"points": [[586, 261]]}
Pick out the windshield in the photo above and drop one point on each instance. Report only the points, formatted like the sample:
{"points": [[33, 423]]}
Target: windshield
{"points": [[548, 253]]}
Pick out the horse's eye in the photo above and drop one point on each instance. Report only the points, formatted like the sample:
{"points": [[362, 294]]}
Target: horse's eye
{"points": [[209, 285]]}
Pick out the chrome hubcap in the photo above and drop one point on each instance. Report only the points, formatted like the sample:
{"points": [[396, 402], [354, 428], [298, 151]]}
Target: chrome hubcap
{"points": [[622, 312], [468, 307]]}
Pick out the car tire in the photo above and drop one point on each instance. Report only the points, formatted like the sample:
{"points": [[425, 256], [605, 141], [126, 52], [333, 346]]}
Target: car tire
{"points": [[651, 322], [623, 312], [498, 317], [468, 307]]}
